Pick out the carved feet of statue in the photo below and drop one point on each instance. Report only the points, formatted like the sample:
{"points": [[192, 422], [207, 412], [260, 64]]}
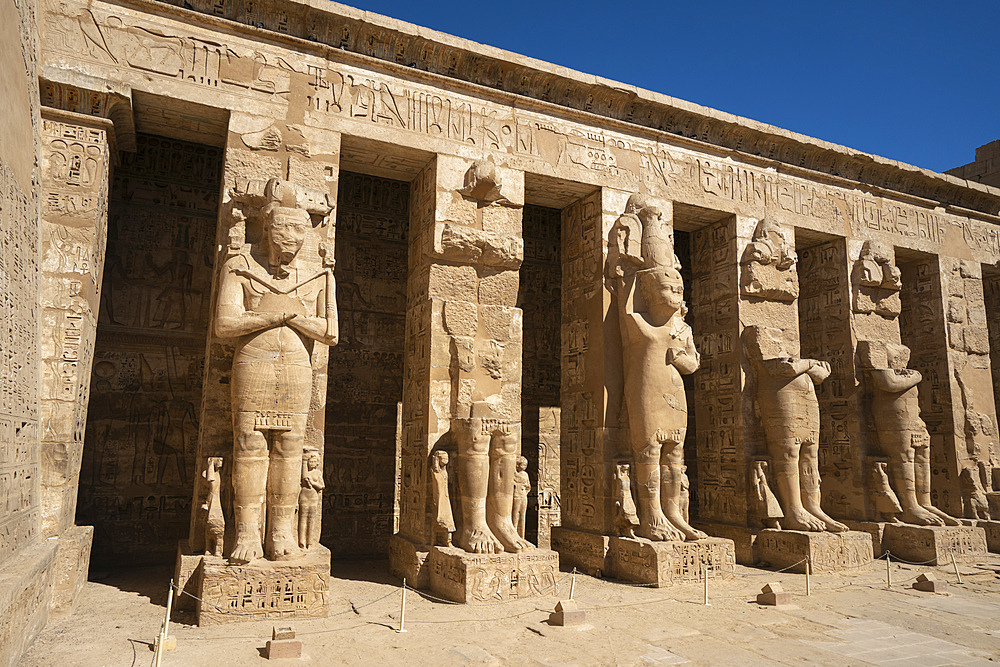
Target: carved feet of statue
{"points": [[946, 518], [659, 529], [503, 529], [798, 518], [921, 516], [248, 545], [282, 545], [829, 524], [479, 539], [690, 534]]}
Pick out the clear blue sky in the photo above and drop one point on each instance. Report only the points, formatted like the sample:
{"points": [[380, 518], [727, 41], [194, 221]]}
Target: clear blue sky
{"points": [[915, 81]]}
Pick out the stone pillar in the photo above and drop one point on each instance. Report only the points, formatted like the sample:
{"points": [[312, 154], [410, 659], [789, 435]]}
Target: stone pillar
{"points": [[462, 369], [307, 160], [549, 458]]}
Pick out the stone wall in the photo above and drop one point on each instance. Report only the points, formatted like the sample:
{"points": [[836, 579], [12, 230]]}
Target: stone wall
{"points": [[142, 430], [366, 367]]}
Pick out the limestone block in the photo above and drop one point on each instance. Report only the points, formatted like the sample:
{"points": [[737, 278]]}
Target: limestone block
{"points": [[408, 561], [451, 282], [827, 552], [664, 563], [264, 589], [25, 598], [929, 583], [283, 648], [956, 311], [72, 564], [567, 613], [585, 551], [460, 318], [498, 288], [502, 220], [187, 576], [774, 595], [956, 336], [977, 340], [482, 578], [934, 545], [501, 323], [992, 529]]}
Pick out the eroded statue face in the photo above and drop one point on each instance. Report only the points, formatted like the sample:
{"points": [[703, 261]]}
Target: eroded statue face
{"points": [[522, 464], [286, 230], [898, 356], [661, 287]]}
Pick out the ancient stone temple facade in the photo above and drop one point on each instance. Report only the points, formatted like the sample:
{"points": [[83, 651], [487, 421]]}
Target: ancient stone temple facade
{"points": [[286, 282]]}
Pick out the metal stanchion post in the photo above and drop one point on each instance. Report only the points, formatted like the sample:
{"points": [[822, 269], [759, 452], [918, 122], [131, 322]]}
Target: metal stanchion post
{"points": [[704, 571], [955, 564], [402, 606], [572, 586], [161, 641], [808, 572], [888, 570]]}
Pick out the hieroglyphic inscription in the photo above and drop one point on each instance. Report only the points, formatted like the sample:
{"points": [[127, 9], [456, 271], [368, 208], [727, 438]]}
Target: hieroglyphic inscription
{"points": [[721, 458], [142, 426], [539, 299], [366, 367], [825, 334]]}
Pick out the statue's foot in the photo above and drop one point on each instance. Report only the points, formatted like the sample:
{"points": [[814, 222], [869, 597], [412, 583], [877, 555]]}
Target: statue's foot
{"points": [[920, 516], [799, 519], [690, 534], [829, 524], [247, 547], [479, 540], [510, 539], [283, 547], [946, 518], [659, 529]]}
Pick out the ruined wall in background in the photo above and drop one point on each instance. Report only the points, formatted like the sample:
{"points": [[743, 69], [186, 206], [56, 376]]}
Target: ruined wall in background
{"points": [[142, 427], [366, 367]]}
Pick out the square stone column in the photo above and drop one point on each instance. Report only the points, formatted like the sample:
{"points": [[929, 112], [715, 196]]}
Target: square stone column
{"points": [[463, 331]]}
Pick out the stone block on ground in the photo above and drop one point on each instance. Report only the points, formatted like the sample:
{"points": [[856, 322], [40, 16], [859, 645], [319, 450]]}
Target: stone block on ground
{"points": [[774, 595], [72, 565], [827, 552], [929, 582], [409, 561], [187, 575], [567, 613], [643, 561], [874, 528], [264, 589], [25, 597], [934, 545], [743, 538], [585, 551], [457, 575]]}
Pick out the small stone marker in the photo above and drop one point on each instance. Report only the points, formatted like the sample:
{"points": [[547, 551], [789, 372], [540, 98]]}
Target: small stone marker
{"points": [[774, 595], [283, 644], [929, 583], [567, 613]]}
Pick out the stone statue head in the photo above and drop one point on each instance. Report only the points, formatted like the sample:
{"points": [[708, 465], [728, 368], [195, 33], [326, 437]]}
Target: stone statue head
{"points": [[522, 464], [660, 286], [636, 203], [285, 231], [897, 356], [311, 460], [765, 342], [439, 460], [872, 354], [622, 469], [878, 251]]}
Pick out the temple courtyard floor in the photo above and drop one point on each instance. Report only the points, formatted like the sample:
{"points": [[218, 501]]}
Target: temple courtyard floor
{"points": [[849, 619]]}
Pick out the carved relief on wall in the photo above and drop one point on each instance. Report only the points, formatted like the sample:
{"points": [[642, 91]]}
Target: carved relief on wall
{"points": [[767, 264], [876, 281], [142, 424]]}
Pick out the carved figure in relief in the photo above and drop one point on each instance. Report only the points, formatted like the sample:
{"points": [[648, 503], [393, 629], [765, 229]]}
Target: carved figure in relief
{"points": [[276, 306], [876, 281], [973, 495], [310, 500], [215, 521], [488, 448], [522, 486], [789, 414], [766, 505], [626, 519], [657, 347], [886, 503], [768, 263], [444, 520], [685, 495], [902, 434]]}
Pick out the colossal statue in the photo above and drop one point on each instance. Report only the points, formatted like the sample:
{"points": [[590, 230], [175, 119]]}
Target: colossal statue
{"points": [[902, 434], [275, 307], [789, 415]]}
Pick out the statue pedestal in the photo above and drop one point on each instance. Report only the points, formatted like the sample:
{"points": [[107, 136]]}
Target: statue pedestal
{"points": [[827, 552], [934, 544], [455, 574], [992, 529], [643, 561], [261, 590], [585, 551]]}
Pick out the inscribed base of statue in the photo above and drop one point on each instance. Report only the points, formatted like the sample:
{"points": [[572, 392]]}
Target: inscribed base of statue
{"points": [[585, 551], [455, 574], [934, 545], [742, 537], [261, 590], [643, 561], [409, 561], [72, 565], [827, 552], [992, 529]]}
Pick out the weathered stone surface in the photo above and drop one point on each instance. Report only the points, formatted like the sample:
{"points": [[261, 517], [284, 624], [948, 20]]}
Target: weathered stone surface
{"points": [[72, 563], [584, 550], [25, 598], [827, 552], [264, 589], [934, 545], [665, 563], [458, 575]]}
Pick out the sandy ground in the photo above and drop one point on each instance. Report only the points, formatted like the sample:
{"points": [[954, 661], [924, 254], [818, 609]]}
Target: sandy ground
{"points": [[848, 619]]}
